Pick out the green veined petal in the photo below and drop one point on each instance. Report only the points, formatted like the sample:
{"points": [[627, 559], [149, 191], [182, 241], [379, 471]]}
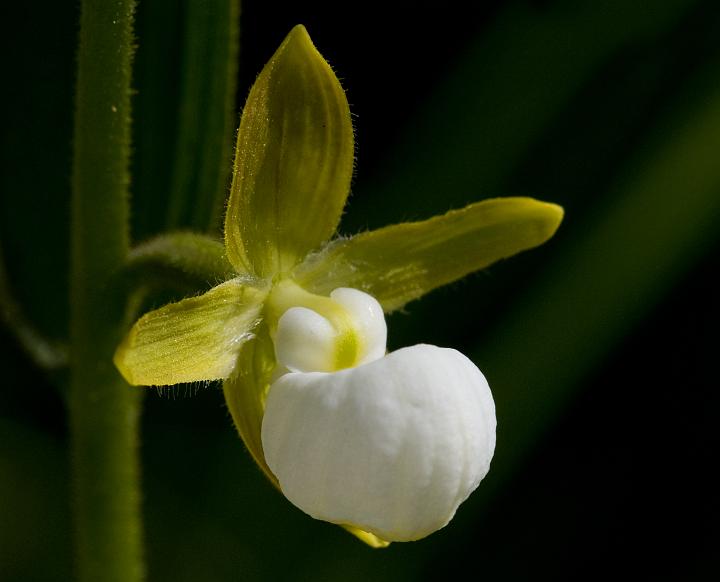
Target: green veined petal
{"points": [[245, 392], [193, 340], [293, 162], [400, 263]]}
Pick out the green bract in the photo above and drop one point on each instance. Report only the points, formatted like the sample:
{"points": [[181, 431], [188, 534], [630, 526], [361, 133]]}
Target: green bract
{"points": [[292, 176]]}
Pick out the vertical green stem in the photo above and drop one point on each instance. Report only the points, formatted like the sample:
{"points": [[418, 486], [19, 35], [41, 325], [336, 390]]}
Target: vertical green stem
{"points": [[104, 410]]}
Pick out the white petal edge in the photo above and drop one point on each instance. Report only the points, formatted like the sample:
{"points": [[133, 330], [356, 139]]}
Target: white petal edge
{"points": [[392, 447]]}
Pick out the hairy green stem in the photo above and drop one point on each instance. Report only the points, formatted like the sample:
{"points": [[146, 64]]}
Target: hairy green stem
{"points": [[179, 257], [104, 411]]}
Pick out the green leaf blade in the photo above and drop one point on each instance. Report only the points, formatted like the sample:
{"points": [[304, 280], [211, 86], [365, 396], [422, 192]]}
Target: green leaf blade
{"points": [[400, 263], [293, 163], [195, 339]]}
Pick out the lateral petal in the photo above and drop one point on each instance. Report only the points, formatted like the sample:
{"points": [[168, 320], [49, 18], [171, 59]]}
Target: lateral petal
{"points": [[245, 393], [399, 263], [192, 340]]}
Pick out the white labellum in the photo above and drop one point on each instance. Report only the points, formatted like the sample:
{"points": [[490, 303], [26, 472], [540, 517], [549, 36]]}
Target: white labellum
{"points": [[392, 447]]}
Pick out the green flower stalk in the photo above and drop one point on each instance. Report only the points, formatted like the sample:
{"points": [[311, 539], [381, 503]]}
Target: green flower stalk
{"points": [[385, 445]]}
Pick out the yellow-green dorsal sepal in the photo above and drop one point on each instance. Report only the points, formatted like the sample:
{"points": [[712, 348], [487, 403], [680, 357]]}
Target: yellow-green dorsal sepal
{"points": [[293, 163], [399, 263]]}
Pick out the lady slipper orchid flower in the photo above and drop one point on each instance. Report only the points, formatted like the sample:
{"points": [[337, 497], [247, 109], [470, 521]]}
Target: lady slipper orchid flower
{"points": [[387, 446], [392, 445]]}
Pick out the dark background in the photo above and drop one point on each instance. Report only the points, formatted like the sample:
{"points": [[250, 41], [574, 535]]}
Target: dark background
{"points": [[600, 347]]}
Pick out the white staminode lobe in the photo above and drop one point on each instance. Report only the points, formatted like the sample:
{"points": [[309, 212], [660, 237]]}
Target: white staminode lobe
{"points": [[369, 321], [305, 341], [392, 447]]}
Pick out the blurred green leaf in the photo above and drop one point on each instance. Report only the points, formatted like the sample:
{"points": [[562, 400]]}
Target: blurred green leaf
{"points": [[514, 80], [659, 218], [34, 505], [156, 109], [206, 119], [186, 76]]}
